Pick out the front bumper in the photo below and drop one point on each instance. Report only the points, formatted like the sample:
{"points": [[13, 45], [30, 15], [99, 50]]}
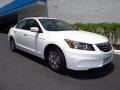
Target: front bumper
{"points": [[84, 60]]}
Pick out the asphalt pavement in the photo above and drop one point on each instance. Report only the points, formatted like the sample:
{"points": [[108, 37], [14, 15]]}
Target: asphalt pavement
{"points": [[22, 71]]}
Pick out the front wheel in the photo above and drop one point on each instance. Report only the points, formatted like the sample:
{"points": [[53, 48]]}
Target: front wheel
{"points": [[56, 60], [12, 45]]}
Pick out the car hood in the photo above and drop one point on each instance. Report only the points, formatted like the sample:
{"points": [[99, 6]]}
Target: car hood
{"points": [[81, 36]]}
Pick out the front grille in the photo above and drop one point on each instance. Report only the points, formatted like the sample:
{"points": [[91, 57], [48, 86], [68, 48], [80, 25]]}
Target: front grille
{"points": [[105, 47]]}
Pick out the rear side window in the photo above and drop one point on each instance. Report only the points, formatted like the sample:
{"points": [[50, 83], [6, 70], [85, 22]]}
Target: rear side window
{"points": [[22, 24]]}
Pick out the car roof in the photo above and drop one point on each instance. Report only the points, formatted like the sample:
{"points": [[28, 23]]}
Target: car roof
{"points": [[38, 18]]}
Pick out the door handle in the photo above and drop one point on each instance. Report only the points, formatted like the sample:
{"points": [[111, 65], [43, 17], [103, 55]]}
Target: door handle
{"points": [[14, 31], [25, 34]]}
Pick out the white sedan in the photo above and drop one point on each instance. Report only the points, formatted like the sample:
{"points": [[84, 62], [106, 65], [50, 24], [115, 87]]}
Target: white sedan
{"points": [[59, 44]]}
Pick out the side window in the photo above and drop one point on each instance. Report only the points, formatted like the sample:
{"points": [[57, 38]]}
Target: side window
{"points": [[22, 24], [27, 24], [32, 23]]}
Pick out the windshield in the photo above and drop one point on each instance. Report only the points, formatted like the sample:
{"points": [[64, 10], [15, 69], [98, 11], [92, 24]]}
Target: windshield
{"points": [[55, 25]]}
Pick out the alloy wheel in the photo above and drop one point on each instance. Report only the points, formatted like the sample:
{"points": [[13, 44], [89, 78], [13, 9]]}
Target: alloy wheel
{"points": [[54, 60]]}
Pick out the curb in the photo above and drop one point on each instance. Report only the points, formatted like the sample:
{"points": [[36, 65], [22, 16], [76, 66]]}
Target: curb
{"points": [[117, 52]]}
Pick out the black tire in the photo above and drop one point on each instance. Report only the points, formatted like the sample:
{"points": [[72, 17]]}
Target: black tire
{"points": [[56, 60], [12, 44]]}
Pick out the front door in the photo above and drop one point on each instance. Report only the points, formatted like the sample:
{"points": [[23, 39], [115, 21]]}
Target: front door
{"points": [[31, 38]]}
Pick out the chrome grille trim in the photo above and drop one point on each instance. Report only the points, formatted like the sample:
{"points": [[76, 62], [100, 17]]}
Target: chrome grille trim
{"points": [[105, 47]]}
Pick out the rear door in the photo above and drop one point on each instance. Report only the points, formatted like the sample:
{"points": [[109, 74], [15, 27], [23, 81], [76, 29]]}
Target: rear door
{"points": [[19, 33]]}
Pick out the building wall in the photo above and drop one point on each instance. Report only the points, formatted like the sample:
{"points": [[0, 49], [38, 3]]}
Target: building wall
{"points": [[34, 9], [5, 2], [85, 10], [12, 10], [9, 6], [69, 10]]}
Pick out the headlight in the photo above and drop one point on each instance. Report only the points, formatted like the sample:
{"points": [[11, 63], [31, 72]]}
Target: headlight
{"points": [[79, 45]]}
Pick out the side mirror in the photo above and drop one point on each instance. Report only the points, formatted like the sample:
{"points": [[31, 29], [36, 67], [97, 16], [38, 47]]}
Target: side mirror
{"points": [[34, 29]]}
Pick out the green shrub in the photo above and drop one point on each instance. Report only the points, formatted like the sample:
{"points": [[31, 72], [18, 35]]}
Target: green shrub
{"points": [[110, 30]]}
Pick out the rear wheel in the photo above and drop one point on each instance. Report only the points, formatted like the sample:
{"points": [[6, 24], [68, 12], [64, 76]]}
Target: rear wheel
{"points": [[56, 60], [12, 44]]}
